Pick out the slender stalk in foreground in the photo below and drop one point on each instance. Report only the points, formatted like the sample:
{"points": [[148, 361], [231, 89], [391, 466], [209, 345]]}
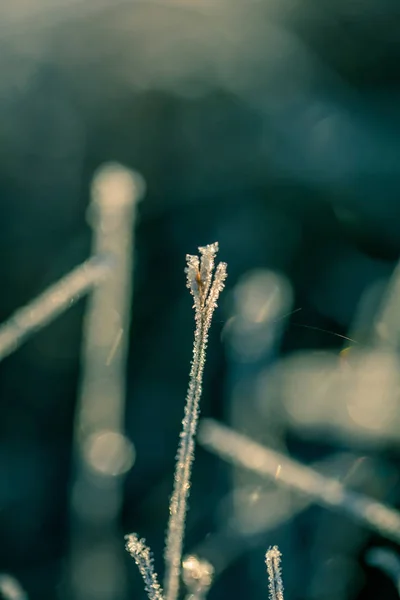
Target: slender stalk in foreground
{"points": [[273, 562], [240, 450], [205, 286]]}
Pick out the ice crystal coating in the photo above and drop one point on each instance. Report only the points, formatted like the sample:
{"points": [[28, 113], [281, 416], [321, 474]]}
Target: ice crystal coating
{"points": [[205, 285], [273, 562], [197, 575], [141, 554]]}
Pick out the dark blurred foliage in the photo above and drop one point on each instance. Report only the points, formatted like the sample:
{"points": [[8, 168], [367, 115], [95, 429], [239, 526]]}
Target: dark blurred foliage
{"points": [[272, 127]]}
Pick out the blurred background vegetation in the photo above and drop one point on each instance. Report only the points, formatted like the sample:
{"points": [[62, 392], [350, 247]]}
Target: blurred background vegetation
{"points": [[272, 127]]}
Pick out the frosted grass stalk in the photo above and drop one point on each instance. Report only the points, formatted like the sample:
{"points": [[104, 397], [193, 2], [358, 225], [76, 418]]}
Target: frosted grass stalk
{"points": [[205, 286], [29, 319], [142, 556], [242, 451], [273, 562]]}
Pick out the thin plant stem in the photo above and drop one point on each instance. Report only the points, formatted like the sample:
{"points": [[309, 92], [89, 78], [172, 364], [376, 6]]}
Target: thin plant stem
{"points": [[60, 296], [205, 286], [240, 450], [273, 562], [99, 415], [141, 554]]}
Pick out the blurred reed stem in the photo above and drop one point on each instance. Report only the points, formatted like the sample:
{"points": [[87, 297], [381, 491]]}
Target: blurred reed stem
{"points": [[60, 296], [102, 454], [242, 451]]}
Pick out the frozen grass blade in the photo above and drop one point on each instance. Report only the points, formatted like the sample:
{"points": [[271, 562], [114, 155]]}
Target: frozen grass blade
{"points": [[142, 556], [240, 450], [205, 286], [273, 562]]}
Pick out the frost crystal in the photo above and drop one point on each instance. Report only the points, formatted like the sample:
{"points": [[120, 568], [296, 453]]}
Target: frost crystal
{"points": [[205, 285], [197, 575]]}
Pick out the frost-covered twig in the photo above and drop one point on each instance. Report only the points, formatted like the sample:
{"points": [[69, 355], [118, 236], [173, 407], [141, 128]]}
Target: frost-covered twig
{"points": [[142, 556], [197, 575], [273, 562], [205, 286], [54, 301], [240, 450]]}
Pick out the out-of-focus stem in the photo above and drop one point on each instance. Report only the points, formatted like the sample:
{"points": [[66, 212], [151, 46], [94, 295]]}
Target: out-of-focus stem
{"points": [[10, 588], [102, 453], [388, 561], [197, 575], [26, 321], [242, 451]]}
